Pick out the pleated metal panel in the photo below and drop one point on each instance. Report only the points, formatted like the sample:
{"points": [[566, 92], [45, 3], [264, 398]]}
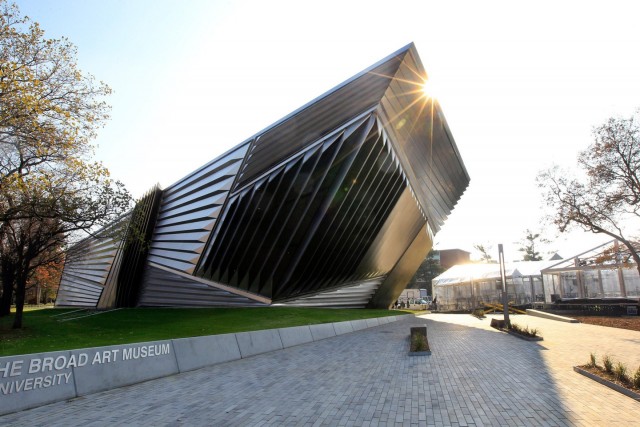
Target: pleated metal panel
{"points": [[306, 225], [247, 245], [349, 296], [139, 232], [357, 211], [347, 189], [108, 295], [189, 210], [395, 236], [320, 116], [162, 287], [77, 294], [402, 272], [91, 267], [423, 141]]}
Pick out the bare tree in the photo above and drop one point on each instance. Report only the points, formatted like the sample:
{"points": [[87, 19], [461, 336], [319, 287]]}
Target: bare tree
{"points": [[609, 196]]}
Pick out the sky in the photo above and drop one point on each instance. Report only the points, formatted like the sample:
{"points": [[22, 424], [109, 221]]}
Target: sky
{"points": [[522, 85]]}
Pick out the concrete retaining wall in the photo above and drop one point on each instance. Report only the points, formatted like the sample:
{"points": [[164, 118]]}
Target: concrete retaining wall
{"points": [[551, 316], [28, 381]]}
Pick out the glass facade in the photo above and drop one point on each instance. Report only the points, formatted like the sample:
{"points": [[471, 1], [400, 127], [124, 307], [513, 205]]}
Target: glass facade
{"points": [[467, 286], [469, 295], [603, 282]]}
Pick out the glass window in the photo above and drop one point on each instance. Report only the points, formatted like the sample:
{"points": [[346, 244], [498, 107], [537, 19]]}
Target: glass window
{"points": [[591, 280], [569, 284], [610, 283], [538, 290], [632, 282], [551, 289]]}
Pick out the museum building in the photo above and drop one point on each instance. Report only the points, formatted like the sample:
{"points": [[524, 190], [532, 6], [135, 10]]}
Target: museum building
{"points": [[334, 205]]}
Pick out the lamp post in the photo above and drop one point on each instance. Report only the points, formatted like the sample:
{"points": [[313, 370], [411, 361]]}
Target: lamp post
{"points": [[503, 276]]}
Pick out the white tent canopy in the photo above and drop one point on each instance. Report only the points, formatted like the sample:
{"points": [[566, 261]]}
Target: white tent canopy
{"points": [[466, 273], [467, 286]]}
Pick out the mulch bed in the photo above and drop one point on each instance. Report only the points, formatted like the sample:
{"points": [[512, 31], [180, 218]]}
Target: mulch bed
{"points": [[632, 323]]}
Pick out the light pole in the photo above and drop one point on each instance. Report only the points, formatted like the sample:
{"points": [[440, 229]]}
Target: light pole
{"points": [[503, 276]]}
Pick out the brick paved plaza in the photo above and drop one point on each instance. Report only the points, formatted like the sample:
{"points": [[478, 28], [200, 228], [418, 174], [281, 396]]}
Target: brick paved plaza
{"points": [[475, 376]]}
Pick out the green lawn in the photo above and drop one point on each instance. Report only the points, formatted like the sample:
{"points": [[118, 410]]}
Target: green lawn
{"points": [[49, 329]]}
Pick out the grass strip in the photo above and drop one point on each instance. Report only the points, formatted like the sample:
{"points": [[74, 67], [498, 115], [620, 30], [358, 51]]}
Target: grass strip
{"points": [[51, 330]]}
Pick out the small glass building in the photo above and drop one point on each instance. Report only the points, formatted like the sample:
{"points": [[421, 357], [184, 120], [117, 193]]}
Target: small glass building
{"points": [[468, 286], [592, 277], [600, 273]]}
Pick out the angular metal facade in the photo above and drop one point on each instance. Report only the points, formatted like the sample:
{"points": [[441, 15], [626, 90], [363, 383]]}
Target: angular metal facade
{"points": [[335, 204], [189, 211], [91, 269]]}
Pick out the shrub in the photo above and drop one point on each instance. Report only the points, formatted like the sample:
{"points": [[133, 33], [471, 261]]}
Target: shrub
{"points": [[524, 330], [517, 328], [478, 312], [419, 343], [636, 378], [607, 363], [620, 372], [592, 360]]}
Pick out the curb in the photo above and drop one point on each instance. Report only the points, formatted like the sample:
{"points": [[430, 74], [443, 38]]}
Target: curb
{"points": [[550, 316], [523, 337], [37, 379], [419, 353], [608, 383]]}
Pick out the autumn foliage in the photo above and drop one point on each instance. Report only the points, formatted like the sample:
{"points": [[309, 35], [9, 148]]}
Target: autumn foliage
{"points": [[50, 188]]}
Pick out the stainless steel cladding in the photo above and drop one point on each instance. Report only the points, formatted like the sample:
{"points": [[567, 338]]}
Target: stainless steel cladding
{"points": [[189, 211], [336, 204], [91, 268]]}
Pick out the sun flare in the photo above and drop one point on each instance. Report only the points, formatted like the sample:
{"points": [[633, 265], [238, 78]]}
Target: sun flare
{"points": [[429, 90]]}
